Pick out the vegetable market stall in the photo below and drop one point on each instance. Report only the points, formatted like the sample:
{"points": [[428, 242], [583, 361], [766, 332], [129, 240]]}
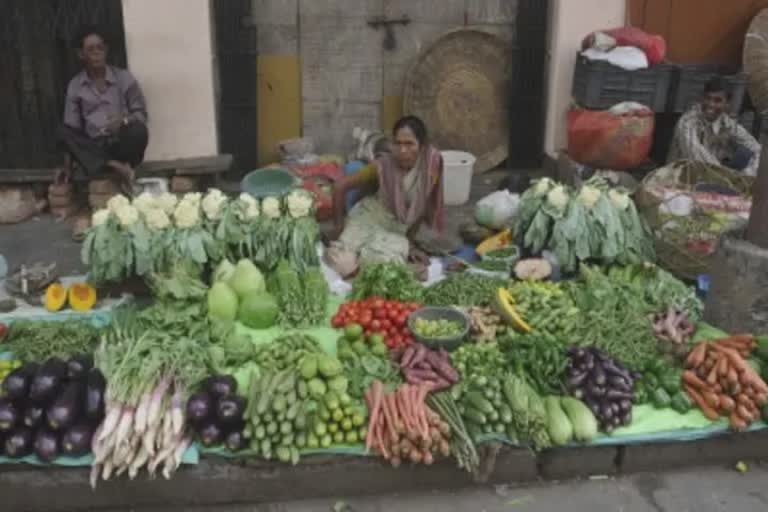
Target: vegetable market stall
{"points": [[255, 358]]}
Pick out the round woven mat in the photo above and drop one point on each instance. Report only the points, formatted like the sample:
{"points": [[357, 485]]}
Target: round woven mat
{"points": [[459, 87], [756, 60]]}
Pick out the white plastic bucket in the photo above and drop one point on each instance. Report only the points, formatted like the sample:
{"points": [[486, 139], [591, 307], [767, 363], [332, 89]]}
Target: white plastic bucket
{"points": [[459, 167]]}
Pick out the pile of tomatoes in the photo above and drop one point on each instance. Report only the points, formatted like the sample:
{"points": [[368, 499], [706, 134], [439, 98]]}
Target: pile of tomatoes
{"points": [[378, 316]]}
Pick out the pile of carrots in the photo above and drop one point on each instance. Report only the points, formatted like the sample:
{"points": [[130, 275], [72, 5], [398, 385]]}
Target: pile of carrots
{"points": [[403, 428], [722, 383]]}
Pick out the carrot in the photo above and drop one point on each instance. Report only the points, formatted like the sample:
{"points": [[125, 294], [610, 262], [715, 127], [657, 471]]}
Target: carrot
{"points": [[389, 417], [722, 367], [744, 413], [761, 399], [736, 422], [711, 398], [732, 376], [374, 396], [736, 360], [712, 375], [703, 405], [689, 377], [743, 399], [696, 355], [727, 404], [750, 378]]}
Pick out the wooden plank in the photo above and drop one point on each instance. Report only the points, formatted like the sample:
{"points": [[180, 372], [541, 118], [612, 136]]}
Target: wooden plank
{"points": [[181, 166]]}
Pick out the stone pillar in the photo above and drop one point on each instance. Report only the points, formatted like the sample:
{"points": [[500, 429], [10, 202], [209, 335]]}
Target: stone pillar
{"points": [[170, 51]]}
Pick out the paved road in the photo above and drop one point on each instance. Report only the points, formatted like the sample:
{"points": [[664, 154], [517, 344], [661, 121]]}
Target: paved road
{"points": [[695, 490]]}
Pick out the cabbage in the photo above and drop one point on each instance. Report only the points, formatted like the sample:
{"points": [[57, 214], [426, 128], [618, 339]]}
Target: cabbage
{"points": [[222, 302], [258, 310], [223, 271], [246, 279]]}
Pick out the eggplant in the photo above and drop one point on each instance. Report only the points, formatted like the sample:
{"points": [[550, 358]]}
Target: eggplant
{"points": [[616, 420], [616, 408], [625, 406], [9, 415], [619, 383], [608, 428], [33, 416], [78, 366], [236, 441], [577, 352], [615, 394], [200, 407], [595, 391], [589, 361], [65, 410], [626, 418], [76, 441], [598, 375], [606, 411], [220, 385], [48, 380], [613, 369], [18, 442], [95, 386], [230, 409], [577, 379], [210, 434], [16, 384], [593, 405], [578, 393], [47, 445]]}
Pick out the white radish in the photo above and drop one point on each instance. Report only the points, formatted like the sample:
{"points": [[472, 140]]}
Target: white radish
{"points": [[168, 467], [107, 470], [125, 425], [178, 454], [177, 412], [141, 458], [167, 435], [155, 406], [111, 420], [142, 413], [95, 470], [148, 440]]}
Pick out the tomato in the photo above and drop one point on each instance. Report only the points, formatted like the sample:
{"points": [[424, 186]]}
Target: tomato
{"points": [[408, 339], [377, 303], [393, 313], [376, 325], [337, 321], [402, 320], [405, 331], [380, 314], [386, 324], [397, 340]]}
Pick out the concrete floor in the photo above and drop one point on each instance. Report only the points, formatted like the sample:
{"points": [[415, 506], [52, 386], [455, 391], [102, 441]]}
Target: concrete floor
{"points": [[693, 490]]}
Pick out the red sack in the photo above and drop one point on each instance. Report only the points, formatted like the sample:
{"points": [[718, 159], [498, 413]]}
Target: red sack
{"points": [[604, 140], [654, 46]]}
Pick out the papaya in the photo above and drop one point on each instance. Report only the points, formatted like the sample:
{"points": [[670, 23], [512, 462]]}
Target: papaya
{"points": [[82, 297], [497, 241], [502, 303], [55, 297]]}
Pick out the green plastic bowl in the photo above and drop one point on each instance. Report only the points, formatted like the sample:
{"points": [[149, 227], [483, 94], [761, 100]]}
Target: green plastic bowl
{"points": [[263, 183], [440, 313]]}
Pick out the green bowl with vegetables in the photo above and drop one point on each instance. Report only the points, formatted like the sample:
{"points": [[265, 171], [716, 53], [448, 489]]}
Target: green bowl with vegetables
{"points": [[268, 182], [439, 327]]}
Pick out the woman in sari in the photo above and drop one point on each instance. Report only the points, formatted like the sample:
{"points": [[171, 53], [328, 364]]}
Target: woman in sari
{"points": [[405, 220]]}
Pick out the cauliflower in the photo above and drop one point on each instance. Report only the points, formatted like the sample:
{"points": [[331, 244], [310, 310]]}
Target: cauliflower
{"points": [[127, 215], [299, 203], [100, 217], [117, 202], [619, 199], [270, 207], [542, 186], [589, 196], [144, 202], [247, 207], [213, 202], [167, 202], [157, 219], [558, 197], [187, 213], [193, 197]]}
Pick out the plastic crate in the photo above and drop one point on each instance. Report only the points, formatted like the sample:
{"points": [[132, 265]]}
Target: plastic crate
{"points": [[600, 85], [690, 79]]}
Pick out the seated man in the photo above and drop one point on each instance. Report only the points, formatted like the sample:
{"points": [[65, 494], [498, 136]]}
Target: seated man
{"points": [[105, 116], [706, 133]]}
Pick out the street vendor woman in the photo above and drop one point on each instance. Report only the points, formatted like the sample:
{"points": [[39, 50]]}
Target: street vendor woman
{"points": [[105, 116], [405, 220], [706, 133]]}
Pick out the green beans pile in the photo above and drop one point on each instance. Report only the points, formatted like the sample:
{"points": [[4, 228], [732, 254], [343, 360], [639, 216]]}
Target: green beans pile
{"points": [[463, 289]]}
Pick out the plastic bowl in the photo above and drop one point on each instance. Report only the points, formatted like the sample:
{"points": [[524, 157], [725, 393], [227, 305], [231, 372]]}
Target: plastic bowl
{"points": [[263, 183], [436, 313]]}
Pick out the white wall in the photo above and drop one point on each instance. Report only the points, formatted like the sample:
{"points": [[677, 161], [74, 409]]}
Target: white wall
{"points": [[571, 21], [170, 51]]}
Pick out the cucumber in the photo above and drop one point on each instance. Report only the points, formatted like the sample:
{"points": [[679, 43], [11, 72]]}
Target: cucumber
{"points": [[505, 414], [479, 402], [475, 416]]}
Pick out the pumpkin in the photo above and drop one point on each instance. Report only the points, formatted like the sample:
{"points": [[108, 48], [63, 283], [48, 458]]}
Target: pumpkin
{"points": [[55, 297], [82, 296]]}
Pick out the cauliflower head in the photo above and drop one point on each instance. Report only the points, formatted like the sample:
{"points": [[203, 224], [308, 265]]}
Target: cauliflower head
{"points": [[193, 197], [558, 197], [156, 219], [542, 186], [247, 207], [589, 196], [270, 207], [167, 202], [187, 213], [145, 202], [99, 217], [213, 203], [117, 202], [299, 203], [620, 200], [127, 215]]}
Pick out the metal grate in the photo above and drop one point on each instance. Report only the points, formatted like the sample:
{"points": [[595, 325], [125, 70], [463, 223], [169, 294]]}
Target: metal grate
{"points": [[37, 62]]}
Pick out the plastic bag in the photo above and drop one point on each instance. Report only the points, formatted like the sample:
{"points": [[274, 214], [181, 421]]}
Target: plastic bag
{"points": [[603, 140], [497, 209]]}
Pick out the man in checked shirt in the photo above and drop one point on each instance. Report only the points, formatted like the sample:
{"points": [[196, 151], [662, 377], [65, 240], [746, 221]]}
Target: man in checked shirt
{"points": [[706, 133], [105, 116]]}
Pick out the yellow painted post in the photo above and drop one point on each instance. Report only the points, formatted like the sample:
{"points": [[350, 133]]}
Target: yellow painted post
{"points": [[279, 103]]}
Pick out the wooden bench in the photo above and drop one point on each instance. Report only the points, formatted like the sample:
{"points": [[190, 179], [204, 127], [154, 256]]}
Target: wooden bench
{"points": [[208, 167]]}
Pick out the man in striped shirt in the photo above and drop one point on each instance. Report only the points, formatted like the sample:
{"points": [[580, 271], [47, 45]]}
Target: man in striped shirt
{"points": [[706, 133]]}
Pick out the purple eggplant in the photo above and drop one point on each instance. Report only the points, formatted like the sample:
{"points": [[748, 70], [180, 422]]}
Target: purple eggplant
{"points": [[18, 442], [230, 409], [210, 434], [65, 410], [200, 407], [9, 415], [236, 441], [47, 381], [47, 445], [76, 441], [34, 415], [598, 375], [78, 367], [577, 379], [95, 387], [16, 384], [220, 385]]}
